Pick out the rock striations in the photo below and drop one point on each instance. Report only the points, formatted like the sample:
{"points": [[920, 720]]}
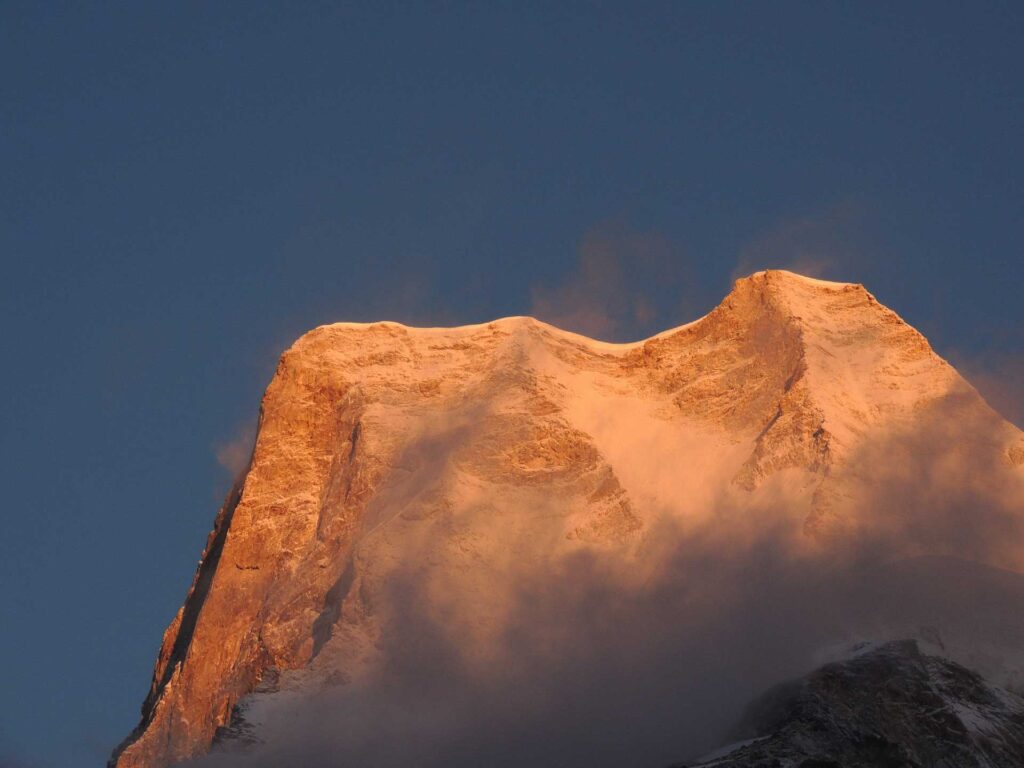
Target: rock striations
{"points": [[387, 452]]}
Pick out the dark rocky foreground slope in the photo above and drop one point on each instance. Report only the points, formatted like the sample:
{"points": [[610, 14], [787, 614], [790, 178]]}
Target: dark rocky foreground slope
{"points": [[890, 706]]}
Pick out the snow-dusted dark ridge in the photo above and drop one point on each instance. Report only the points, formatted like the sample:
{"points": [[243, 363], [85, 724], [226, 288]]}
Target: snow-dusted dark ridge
{"points": [[887, 706]]}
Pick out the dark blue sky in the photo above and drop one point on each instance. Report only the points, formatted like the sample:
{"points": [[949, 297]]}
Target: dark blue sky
{"points": [[186, 187]]}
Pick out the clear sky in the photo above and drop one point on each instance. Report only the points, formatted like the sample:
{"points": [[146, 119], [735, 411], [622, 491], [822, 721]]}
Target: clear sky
{"points": [[186, 187]]}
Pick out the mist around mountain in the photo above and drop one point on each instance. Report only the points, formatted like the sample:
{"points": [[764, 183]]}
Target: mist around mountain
{"points": [[507, 544]]}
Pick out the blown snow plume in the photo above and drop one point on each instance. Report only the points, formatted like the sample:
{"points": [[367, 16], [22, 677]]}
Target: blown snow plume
{"points": [[506, 543]]}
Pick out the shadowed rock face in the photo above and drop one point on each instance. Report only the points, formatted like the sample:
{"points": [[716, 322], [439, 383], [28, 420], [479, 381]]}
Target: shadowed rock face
{"points": [[458, 457], [889, 707]]}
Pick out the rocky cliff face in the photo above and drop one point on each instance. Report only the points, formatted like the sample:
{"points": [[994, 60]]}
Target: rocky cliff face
{"points": [[890, 706], [454, 456]]}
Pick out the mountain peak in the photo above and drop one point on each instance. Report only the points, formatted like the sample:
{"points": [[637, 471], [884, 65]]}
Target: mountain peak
{"points": [[784, 276], [455, 451], [796, 290]]}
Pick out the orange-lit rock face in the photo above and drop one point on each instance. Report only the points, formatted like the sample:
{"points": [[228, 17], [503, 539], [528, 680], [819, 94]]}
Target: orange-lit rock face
{"points": [[461, 455]]}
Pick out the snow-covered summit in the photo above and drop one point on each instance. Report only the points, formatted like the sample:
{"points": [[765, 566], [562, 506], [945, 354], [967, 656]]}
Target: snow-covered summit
{"points": [[775, 280]]}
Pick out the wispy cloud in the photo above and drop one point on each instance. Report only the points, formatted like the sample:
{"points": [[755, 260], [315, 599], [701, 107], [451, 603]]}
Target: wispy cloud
{"points": [[614, 288], [998, 376], [607, 658], [234, 453], [828, 245]]}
